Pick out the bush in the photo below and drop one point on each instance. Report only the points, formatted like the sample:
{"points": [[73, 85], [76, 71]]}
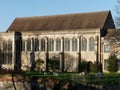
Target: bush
{"points": [[83, 66], [53, 64], [39, 63], [112, 63], [95, 68]]}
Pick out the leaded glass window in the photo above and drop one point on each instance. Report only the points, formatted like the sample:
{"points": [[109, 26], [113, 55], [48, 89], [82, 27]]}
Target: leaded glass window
{"points": [[23, 45], [4, 45], [9, 45], [91, 44], [29, 45], [106, 48], [84, 44], [36, 44], [58, 45], [74, 44], [51, 45], [43, 45], [67, 44]]}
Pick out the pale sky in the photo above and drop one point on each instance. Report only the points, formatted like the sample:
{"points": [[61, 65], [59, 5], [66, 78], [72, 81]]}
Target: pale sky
{"points": [[10, 9]]}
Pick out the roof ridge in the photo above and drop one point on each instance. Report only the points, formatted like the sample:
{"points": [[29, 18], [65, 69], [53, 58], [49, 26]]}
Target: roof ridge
{"points": [[63, 14], [61, 22]]}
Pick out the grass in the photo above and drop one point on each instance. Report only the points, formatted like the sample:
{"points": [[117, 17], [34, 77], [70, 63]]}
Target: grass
{"points": [[108, 78]]}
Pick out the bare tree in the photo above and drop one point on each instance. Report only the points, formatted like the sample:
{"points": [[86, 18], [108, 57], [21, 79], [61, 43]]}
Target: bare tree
{"points": [[117, 18], [115, 45]]}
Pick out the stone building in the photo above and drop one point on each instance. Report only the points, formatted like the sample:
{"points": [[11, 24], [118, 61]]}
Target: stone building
{"points": [[68, 38]]}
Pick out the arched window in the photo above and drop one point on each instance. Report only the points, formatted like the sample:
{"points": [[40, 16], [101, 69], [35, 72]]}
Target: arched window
{"points": [[84, 44], [91, 44], [67, 44], [51, 45], [36, 44], [58, 45], [5, 51], [29, 45], [42, 44], [9, 45], [74, 44], [9, 54], [23, 45], [4, 45]]}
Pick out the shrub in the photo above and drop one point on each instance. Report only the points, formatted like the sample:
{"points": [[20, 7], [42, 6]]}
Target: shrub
{"points": [[83, 66], [95, 68], [38, 63], [53, 64], [112, 63]]}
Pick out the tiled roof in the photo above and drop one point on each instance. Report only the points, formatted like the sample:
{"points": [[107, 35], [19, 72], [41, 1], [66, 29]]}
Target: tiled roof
{"points": [[60, 22], [111, 33]]}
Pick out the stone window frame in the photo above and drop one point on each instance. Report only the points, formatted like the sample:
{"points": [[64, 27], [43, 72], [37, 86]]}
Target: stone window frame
{"points": [[58, 44], [106, 48], [51, 44], [9, 45], [67, 44], [23, 44], [9, 54], [36, 42], [84, 44], [29, 43], [91, 44], [7, 51], [4, 45], [74, 44], [43, 44]]}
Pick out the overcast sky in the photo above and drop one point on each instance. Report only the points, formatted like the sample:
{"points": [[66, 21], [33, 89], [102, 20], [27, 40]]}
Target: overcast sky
{"points": [[10, 9]]}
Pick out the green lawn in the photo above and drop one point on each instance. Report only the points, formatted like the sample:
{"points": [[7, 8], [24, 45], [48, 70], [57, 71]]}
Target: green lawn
{"points": [[108, 78]]}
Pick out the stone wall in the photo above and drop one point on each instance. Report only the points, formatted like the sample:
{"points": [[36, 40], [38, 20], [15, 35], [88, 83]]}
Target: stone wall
{"points": [[6, 37], [19, 85], [70, 56]]}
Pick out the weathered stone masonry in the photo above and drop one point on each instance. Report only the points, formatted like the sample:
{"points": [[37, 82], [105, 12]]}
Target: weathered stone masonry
{"points": [[70, 38]]}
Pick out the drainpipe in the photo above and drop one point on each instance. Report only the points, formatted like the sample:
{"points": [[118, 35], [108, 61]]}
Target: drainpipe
{"points": [[101, 53], [32, 56], [97, 56], [62, 57], [47, 55], [79, 54]]}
